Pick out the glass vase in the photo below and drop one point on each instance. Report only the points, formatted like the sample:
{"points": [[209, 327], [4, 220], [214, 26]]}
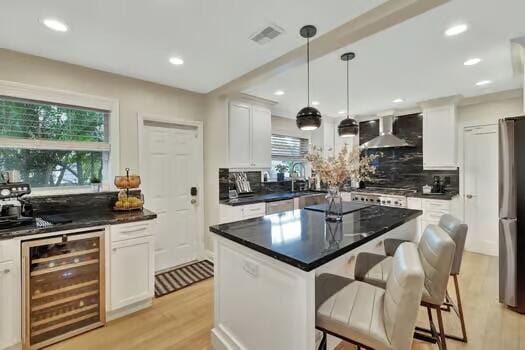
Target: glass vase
{"points": [[334, 212]]}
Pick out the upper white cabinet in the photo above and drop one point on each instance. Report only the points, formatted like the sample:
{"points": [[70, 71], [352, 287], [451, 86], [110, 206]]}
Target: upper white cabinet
{"points": [[439, 138], [250, 133]]}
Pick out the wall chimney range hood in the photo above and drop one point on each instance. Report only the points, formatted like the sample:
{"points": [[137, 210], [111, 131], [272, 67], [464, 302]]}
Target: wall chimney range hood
{"points": [[386, 138]]}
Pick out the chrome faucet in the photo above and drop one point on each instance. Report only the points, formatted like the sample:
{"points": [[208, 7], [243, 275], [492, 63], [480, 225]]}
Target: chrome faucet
{"points": [[292, 170]]}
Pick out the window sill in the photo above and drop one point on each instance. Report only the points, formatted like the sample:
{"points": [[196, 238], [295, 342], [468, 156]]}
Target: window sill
{"points": [[54, 191]]}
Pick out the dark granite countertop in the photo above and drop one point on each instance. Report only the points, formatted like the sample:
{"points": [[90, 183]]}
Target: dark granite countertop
{"points": [[81, 219], [444, 196], [268, 197], [302, 238], [448, 195]]}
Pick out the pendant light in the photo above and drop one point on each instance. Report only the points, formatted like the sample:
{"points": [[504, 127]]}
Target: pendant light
{"points": [[348, 127], [308, 118]]}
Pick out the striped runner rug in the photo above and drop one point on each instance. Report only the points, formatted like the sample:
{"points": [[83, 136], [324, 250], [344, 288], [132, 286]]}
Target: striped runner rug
{"points": [[180, 277]]}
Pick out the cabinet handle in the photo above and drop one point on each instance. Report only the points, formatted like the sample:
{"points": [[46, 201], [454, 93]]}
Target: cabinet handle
{"points": [[6, 271], [134, 230]]}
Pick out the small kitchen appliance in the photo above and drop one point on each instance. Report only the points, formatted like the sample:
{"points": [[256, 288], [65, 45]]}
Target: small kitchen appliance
{"points": [[14, 211]]}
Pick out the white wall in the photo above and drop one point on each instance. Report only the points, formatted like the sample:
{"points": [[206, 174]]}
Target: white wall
{"points": [[134, 96]]}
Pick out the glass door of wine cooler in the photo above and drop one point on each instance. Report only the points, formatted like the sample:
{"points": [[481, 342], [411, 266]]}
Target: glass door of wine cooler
{"points": [[63, 287]]}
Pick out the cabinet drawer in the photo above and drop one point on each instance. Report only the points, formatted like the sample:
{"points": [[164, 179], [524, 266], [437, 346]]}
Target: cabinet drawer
{"points": [[414, 203], [432, 218], [436, 205], [129, 231], [253, 210]]}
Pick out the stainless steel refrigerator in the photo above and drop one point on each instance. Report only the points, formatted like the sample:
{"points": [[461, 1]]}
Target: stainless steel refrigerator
{"points": [[512, 213]]}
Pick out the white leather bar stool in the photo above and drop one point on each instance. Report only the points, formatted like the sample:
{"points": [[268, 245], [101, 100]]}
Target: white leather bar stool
{"points": [[368, 316], [436, 250], [457, 230]]}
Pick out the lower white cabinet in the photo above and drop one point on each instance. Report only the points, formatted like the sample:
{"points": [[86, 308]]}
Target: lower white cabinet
{"points": [[229, 213], [432, 209], [9, 305], [132, 265]]}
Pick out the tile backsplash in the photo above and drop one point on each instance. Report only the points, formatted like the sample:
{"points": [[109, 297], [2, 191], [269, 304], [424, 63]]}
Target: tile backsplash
{"points": [[403, 166]]}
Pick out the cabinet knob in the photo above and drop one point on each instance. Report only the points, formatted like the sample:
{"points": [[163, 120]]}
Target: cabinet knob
{"points": [[114, 249], [6, 271]]}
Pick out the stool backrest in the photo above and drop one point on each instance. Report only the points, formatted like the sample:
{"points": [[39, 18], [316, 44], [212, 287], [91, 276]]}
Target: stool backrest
{"points": [[403, 296], [436, 251], [457, 230]]}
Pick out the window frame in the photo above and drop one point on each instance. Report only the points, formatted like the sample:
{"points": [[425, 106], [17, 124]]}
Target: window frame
{"points": [[50, 95]]}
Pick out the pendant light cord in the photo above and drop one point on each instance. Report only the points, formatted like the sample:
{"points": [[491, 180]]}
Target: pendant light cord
{"points": [[347, 90], [308, 68]]}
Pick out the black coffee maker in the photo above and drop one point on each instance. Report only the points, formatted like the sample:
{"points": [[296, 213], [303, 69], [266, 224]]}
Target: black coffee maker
{"points": [[14, 211], [437, 186]]}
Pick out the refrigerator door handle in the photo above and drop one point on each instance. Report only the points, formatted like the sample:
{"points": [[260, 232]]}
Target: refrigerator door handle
{"points": [[507, 170], [508, 259]]}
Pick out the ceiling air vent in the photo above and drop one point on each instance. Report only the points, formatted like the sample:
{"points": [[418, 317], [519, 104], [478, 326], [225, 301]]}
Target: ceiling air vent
{"points": [[269, 33]]}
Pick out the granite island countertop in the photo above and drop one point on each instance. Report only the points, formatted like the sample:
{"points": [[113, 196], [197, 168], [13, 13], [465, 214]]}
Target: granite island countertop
{"points": [[80, 219], [303, 239]]}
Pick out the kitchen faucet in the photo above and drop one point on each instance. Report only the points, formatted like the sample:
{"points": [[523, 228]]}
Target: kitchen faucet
{"points": [[292, 173]]}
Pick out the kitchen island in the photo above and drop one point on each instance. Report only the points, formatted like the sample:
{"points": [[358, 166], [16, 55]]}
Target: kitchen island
{"points": [[265, 271]]}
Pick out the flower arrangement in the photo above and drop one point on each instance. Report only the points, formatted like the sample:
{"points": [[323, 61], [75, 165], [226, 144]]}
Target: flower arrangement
{"points": [[335, 171]]}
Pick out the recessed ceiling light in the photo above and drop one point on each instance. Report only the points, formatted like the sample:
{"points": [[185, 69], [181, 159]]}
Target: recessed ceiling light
{"points": [[456, 30], [342, 111], [279, 93], [315, 103], [472, 61], [176, 61], [398, 100], [484, 82], [55, 24]]}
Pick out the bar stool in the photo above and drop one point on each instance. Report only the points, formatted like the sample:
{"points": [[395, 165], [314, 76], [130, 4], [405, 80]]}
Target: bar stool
{"points": [[368, 316], [436, 250], [457, 230]]}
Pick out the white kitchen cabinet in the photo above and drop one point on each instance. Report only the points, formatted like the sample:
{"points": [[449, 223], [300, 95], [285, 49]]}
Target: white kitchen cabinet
{"points": [[250, 133], [439, 138], [416, 204], [132, 266], [261, 137], [240, 135], [229, 213], [9, 305]]}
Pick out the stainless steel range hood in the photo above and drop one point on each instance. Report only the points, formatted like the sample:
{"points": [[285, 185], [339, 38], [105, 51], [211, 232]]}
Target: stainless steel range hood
{"points": [[386, 138]]}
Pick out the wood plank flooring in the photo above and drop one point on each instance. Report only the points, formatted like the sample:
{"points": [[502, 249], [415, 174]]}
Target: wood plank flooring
{"points": [[183, 320]]}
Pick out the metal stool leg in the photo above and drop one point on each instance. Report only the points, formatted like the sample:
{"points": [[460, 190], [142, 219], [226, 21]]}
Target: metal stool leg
{"points": [[443, 340], [322, 345], [460, 309]]}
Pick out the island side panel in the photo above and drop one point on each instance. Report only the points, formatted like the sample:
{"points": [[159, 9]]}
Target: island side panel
{"points": [[261, 303]]}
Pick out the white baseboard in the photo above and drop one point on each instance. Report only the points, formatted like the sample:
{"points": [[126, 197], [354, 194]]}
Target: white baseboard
{"points": [[127, 310], [210, 255]]}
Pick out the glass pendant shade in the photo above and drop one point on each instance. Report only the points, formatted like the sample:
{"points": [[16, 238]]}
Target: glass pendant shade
{"points": [[348, 127], [308, 118]]}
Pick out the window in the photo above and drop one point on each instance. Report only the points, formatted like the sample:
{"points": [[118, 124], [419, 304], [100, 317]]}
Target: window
{"points": [[288, 150], [53, 145]]}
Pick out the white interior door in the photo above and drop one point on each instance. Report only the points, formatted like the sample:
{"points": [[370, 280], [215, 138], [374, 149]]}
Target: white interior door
{"points": [[169, 168], [481, 188]]}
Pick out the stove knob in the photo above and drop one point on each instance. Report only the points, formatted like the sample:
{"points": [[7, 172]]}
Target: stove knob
{"points": [[383, 202], [362, 199], [378, 201], [389, 202]]}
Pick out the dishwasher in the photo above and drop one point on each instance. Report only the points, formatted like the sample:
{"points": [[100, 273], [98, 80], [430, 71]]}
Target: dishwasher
{"points": [[279, 206]]}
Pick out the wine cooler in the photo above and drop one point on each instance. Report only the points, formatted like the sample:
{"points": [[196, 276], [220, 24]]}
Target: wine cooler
{"points": [[63, 287]]}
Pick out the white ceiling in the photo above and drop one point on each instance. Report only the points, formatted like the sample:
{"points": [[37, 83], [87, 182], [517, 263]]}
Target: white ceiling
{"points": [[136, 38], [413, 61]]}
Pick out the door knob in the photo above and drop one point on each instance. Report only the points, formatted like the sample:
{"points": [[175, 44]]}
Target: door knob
{"points": [[469, 196], [193, 201]]}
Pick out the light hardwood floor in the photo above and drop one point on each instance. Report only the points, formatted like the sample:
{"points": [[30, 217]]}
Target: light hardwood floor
{"points": [[183, 320]]}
